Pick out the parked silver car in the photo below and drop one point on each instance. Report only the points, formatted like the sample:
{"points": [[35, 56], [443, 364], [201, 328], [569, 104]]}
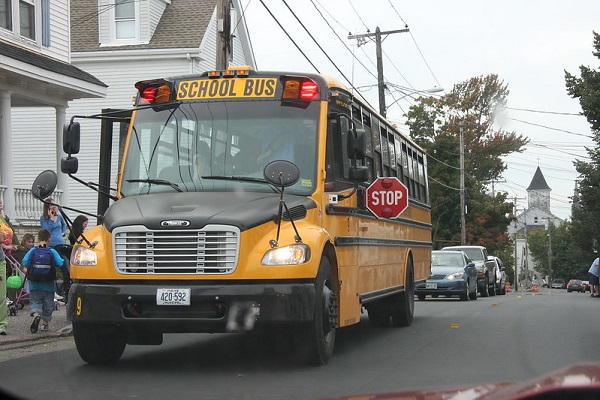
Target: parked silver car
{"points": [[559, 283], [500, 276]]}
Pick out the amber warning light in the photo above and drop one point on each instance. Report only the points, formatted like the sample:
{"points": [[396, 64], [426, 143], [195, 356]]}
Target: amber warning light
{"points": [[300, 89]]}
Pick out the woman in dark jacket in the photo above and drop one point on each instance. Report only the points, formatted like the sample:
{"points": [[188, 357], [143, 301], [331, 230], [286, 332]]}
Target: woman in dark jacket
{"points": [[79, 225]]}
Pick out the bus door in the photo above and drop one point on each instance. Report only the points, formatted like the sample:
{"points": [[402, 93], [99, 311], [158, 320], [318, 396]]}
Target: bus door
{"points": [[341, 218]]}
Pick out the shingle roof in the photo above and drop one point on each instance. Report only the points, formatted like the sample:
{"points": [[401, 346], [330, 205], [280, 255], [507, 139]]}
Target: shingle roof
{"points": [[49, 64], [182, 25], [538, 182]]}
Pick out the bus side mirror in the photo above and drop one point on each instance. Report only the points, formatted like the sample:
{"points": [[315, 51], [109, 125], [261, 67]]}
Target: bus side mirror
{"points": [[44, 185], [69, 165], [359, 173], [71, 138], [356, 144]]}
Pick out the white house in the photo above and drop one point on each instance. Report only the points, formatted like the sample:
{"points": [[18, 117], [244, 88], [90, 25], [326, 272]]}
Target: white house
{"points": [[537, 215], [38, 82], [121, 43]]}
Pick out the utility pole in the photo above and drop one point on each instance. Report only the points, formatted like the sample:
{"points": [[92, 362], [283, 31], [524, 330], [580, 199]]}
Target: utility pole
{"points": [[223, 34], [516, 240], [463, 227], [550, 255], [380, 81]]}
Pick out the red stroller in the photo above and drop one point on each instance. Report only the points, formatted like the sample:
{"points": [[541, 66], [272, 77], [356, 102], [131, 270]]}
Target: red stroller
{"points": [[19, 297]]}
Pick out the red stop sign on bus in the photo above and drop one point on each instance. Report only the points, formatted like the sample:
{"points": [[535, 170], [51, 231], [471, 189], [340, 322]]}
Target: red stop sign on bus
{"points": [[387, 197]]}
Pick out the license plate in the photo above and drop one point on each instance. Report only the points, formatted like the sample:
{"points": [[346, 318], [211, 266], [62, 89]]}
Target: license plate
{"points": [[173, 296], [429, 285]]}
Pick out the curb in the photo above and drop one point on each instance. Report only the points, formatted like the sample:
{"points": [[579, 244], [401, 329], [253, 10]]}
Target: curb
{"points": [[65, 331]]}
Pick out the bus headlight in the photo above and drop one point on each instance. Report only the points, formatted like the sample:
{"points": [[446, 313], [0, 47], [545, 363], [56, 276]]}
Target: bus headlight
{"points": [[83, 257], [288, 255]]}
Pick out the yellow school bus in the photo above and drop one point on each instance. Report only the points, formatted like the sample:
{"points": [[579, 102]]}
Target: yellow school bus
{"points": [[241, 207]]}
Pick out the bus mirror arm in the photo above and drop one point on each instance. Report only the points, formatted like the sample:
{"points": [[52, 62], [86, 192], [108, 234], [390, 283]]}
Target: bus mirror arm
{"points": [[281, 174], [94, 186], [70, 223]]}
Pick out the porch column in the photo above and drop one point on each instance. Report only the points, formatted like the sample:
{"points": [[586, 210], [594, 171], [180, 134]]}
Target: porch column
{"points": [[63, 179], [6, 151]]}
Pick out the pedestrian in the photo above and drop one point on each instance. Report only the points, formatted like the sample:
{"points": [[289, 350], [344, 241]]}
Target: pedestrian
{"points": [[27, 242], [54, 222], [594, 273], [7, 243], [79, 224], [41, 263], [3, 308]]}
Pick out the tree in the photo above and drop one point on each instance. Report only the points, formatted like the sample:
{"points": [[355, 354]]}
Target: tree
{"points": [[436, 124], [562, 254], [586, 205]]}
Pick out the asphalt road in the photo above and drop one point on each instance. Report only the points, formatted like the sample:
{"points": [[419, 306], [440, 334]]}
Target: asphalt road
{"points": [[503, 338]]}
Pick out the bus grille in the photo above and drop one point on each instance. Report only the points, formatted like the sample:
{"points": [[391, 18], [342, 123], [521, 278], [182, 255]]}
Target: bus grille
{"points": [[211, 250]]}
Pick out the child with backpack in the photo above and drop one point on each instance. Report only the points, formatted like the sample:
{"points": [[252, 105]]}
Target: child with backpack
{"points": [[41, 263]]}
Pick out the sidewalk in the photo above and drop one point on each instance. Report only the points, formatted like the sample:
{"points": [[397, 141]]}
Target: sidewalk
{"points": [[18, 327]]}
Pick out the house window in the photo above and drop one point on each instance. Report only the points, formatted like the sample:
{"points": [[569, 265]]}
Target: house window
{"points": [[27, 19], [5, 14], [125, 24]]}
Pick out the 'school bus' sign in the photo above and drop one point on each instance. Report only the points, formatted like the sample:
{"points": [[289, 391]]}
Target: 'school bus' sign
{"points": [[226, 88], [387, 197]]}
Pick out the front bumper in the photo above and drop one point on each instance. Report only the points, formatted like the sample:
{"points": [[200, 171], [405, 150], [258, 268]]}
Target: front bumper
{"points": [[214, 306], [444, 287]]}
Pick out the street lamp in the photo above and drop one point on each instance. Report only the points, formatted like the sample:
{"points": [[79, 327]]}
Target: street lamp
{"points": [[411, 92]]}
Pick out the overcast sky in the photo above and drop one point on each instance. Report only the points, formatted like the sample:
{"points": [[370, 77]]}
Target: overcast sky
{"points": [[528, 44]]}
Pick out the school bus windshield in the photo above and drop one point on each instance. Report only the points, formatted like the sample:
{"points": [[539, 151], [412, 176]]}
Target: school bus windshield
{"points": [[219, 145]]}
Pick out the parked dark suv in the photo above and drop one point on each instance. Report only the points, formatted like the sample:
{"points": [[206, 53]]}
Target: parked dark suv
{"points": [[486, 267]]}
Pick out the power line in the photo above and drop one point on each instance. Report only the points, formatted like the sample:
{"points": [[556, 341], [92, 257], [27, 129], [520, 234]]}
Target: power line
{"points": [[317, 43], [544, 112], [554, 129], [289, 37], [341, 40], [416, 44]]}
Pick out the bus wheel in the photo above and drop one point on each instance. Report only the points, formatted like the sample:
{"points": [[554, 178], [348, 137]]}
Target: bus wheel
{"points": [[403, 307], [317, 338], [99, 344]]}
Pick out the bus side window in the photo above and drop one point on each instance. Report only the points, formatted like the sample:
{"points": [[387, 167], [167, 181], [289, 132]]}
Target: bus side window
{"points": [[332, 126], [337, 160]]}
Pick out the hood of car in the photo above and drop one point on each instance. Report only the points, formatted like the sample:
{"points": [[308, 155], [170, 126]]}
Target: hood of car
{"points": [[579, 381], [439, 270]]}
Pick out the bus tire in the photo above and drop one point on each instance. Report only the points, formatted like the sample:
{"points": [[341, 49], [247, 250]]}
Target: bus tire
{"points": [[99, 344], [403, 307], [316, 339]]}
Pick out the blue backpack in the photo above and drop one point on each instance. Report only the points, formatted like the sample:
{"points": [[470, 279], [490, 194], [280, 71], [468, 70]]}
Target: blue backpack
{"points": [[42, 265]]}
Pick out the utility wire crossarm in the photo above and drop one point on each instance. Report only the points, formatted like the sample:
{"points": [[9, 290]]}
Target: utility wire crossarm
{"points": [[378, 40]]}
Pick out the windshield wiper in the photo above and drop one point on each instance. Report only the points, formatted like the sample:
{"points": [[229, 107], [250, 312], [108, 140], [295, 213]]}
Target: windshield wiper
{"points": [[241, 179], [156, 182]]}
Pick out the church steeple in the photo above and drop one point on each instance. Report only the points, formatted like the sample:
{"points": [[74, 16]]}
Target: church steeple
{"points": [[539, 192]]}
